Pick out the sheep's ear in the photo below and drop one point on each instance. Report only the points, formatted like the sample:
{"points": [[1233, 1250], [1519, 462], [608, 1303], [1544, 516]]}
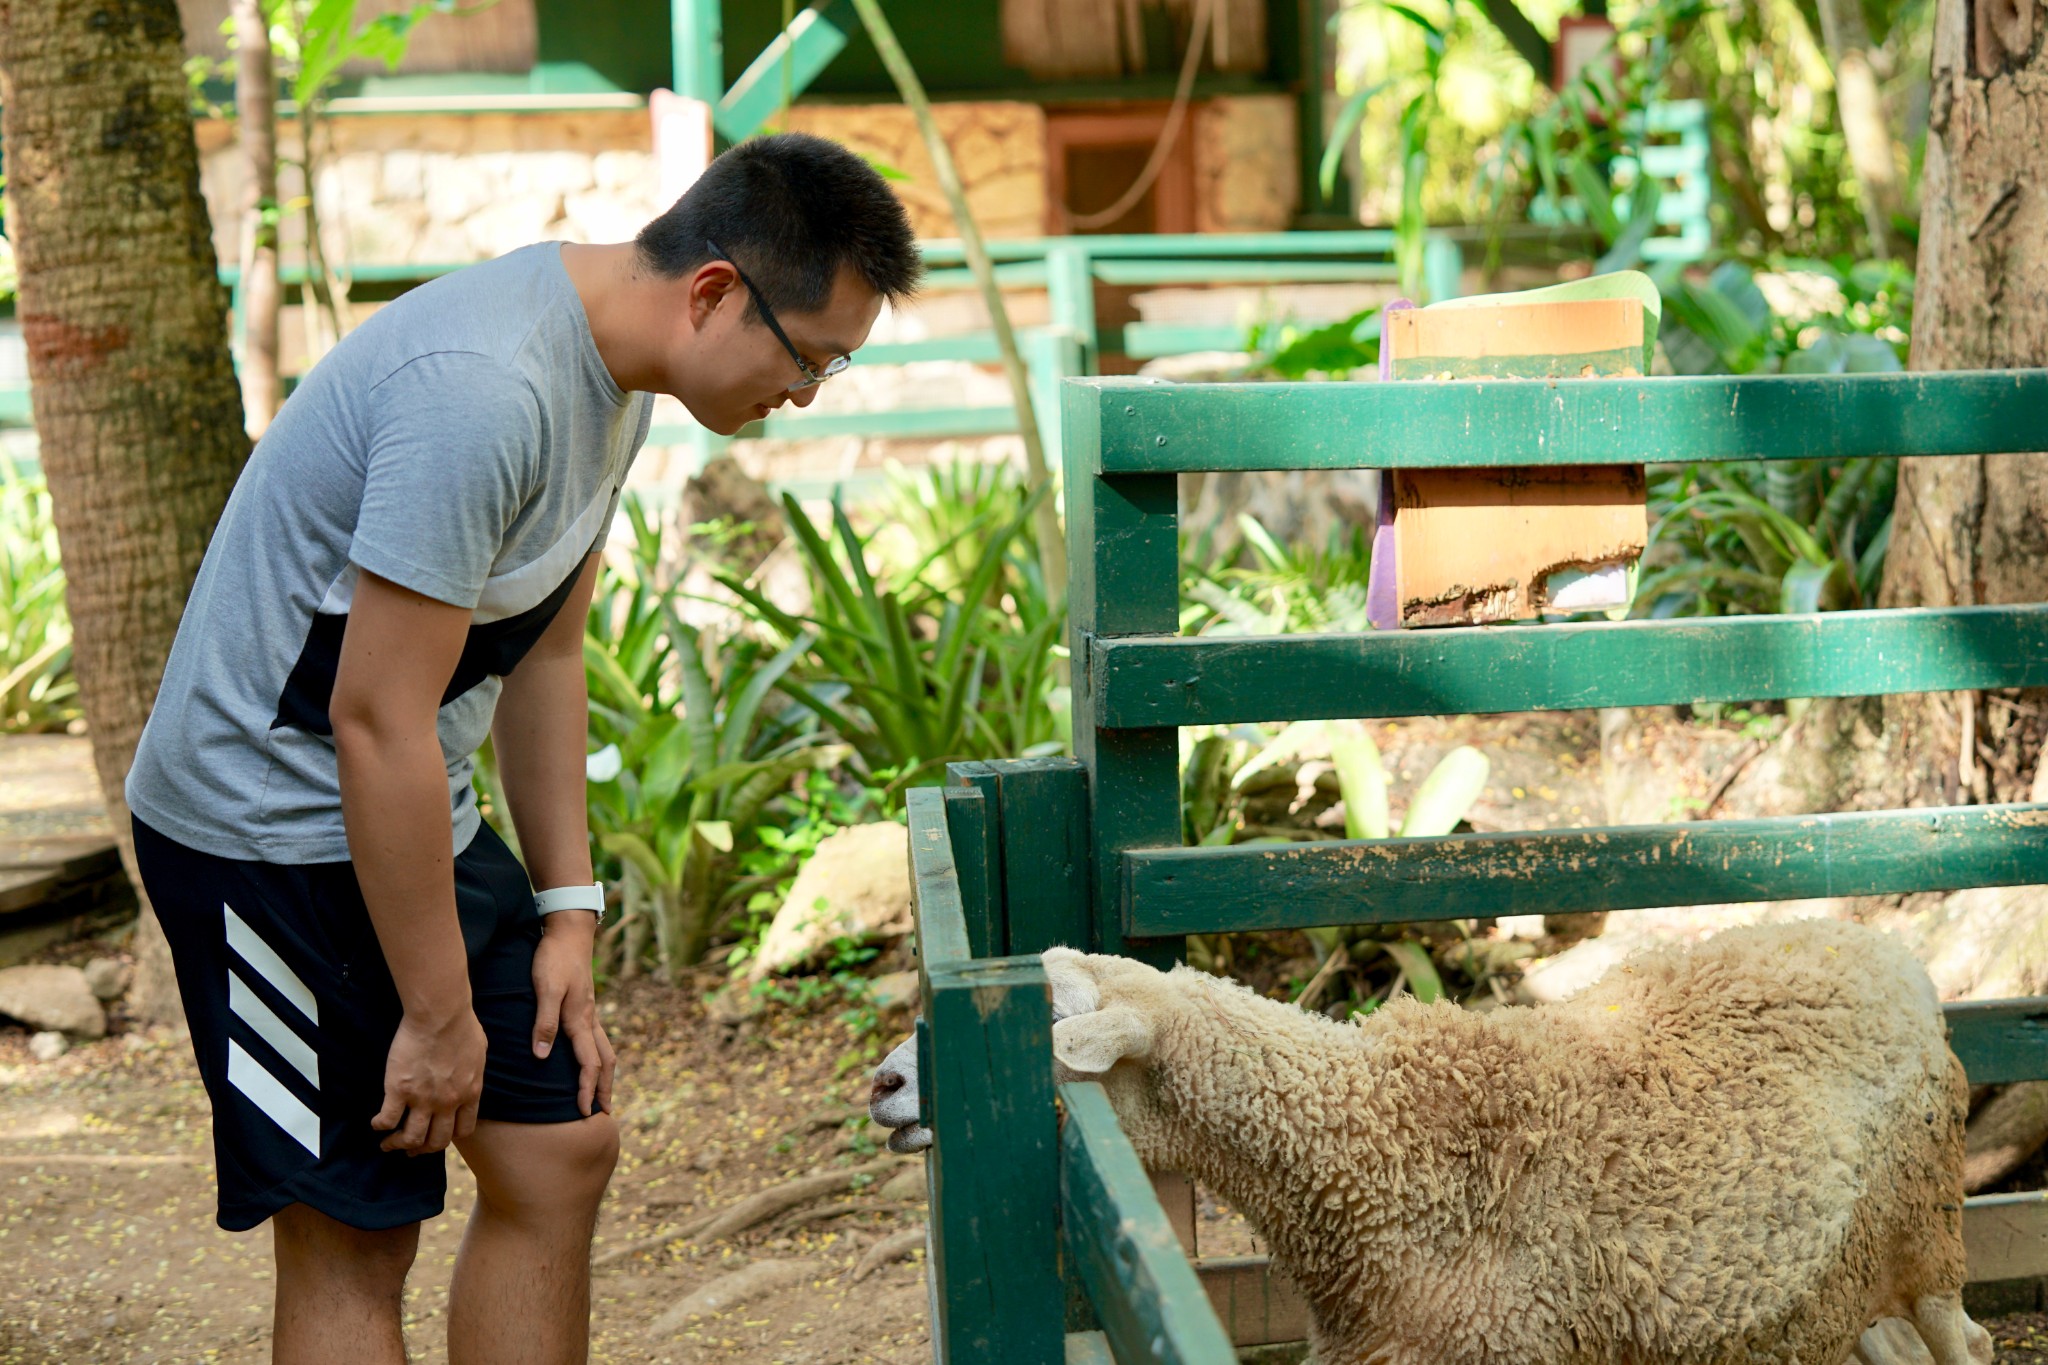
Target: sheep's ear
{"points": [[1073, 984], [1093, 1043]]}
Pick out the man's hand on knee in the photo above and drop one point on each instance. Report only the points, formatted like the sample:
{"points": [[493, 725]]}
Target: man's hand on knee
{"points": [[568, 1002]]}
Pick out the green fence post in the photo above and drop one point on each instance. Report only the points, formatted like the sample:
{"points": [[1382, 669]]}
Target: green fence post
{"points": [[977, 857], [1443, 268], [1051, 357], [697, 48], [985, 1074], [1123, 575], [1043, 806], [1070, 296]]}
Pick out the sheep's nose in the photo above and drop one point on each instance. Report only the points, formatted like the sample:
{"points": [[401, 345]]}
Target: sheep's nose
{"points": [[887, 1083]]}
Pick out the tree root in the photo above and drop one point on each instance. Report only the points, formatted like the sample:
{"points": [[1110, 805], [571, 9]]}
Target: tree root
{"points": [[2009, 1129], [888, 1251], [751, 1211], [797, 1220]]}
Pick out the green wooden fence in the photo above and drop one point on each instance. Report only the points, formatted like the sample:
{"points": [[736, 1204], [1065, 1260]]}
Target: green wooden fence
{"points": [[1014, 857]]}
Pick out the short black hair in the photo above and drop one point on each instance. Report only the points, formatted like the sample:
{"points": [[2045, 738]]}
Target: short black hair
{"points": [[792, 210]]}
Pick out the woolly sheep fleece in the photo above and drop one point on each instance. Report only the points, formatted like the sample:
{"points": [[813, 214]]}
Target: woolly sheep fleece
{"points": [[1745, 1152]]}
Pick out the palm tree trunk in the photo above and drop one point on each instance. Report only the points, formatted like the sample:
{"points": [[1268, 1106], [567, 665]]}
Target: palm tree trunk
{"points": [[1052, 552], [126, 326], [1864, 126], [256, 126]]}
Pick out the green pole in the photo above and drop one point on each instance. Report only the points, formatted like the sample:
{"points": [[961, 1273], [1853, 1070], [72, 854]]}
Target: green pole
{"points": [[697, 49], [1052, 553]]}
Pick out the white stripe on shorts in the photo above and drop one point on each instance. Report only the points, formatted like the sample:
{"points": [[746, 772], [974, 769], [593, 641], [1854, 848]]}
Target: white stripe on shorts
{"points": [[249, 1006], [267, 1093], [267, 964]]}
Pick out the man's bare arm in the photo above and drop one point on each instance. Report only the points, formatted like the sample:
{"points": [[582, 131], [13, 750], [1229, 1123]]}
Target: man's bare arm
{"points": [[539, 733], [397, 655]]}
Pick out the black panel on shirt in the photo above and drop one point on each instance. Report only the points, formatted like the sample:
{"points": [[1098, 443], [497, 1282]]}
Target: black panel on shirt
{"points": [[492, 649]]}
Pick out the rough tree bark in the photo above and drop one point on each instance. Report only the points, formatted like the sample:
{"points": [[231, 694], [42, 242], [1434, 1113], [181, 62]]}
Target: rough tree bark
{"points": [[1974, 531], [126, 326], [256, 128]]}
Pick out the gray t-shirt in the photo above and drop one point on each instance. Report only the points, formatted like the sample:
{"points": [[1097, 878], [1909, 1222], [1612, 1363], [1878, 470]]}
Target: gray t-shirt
{"points": [[465, 442]]}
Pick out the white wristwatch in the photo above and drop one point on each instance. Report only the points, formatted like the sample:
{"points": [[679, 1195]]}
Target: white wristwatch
{"points": [[589, 896]]}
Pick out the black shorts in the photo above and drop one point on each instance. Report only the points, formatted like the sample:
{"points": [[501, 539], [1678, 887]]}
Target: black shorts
{"points": [[292, 1012]]}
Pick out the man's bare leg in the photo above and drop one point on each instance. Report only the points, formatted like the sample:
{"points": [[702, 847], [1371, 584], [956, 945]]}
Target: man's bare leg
{"points": [[522, 1280], [340, 1290]]}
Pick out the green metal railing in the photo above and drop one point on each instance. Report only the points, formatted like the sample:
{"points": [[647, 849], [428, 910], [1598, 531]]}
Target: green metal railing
{"points": [[1071, 344]]}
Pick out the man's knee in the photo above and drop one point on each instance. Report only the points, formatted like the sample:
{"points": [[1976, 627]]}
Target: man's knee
{"points": [[544, 1170], [309, 1242]]}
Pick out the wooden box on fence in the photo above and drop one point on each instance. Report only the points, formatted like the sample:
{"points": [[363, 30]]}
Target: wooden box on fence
{"points": [[1473, 546]]}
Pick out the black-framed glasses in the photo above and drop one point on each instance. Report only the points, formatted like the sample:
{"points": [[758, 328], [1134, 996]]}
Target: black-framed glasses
{"points": [[835, 365]]}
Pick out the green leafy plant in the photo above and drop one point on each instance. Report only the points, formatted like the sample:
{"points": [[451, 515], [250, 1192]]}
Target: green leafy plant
{"points": [[1336, 350], [37, 689], [1745, 539], [1419, 95], [911, 674], [691, 744], [1260, 587], [1786, 535], [1223, 778]]}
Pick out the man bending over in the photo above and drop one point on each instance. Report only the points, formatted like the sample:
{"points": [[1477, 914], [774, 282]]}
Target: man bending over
{"points": [[404, 568]]}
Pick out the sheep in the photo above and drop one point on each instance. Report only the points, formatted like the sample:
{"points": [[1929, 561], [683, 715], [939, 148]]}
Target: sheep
{"points": [[1745, 1152]]}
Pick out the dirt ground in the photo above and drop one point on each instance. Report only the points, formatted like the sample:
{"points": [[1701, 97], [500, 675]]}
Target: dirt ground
{"points": [[106, 1223], [2022, 1338]]}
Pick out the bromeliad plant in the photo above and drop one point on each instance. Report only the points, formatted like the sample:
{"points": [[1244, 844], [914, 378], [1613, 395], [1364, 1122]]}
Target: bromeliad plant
{"points": [[1789, 535], [912, 674], [691, 743], [37, 689], [1740, 539], [1222, 777], [1261, 587]]}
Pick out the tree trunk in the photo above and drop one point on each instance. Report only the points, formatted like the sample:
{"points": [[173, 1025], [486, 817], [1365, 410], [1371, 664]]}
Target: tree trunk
{"points": [[1864, 126], [1974, 530], [126, 326], [256, 126], [1969, 530]]}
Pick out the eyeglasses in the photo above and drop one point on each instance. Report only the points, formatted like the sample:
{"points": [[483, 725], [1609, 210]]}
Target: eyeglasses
{"points": [[835, 365]]}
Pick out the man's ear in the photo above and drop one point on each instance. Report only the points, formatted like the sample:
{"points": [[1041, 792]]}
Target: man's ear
{"points": [[1093, 1043], [708, 286], [1073, 983]]}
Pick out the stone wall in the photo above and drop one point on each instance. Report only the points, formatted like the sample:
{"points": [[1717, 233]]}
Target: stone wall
{"points": [[435, 188], [447, 188], [998, 147], [1247, 164]]}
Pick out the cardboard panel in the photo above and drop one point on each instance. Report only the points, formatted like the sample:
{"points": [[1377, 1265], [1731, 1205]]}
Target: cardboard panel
{"points": [[1473, 546]]}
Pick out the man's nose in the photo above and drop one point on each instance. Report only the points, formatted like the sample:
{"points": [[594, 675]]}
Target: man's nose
{"points": [[804, 397]]}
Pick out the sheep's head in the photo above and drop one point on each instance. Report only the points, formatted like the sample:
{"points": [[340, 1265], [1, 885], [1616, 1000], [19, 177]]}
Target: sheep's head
{"points": [[1098, 1019], [893, 1100]]}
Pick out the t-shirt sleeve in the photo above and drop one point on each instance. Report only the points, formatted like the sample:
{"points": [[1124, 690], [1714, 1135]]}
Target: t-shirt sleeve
{"points": [[455, 449]]}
